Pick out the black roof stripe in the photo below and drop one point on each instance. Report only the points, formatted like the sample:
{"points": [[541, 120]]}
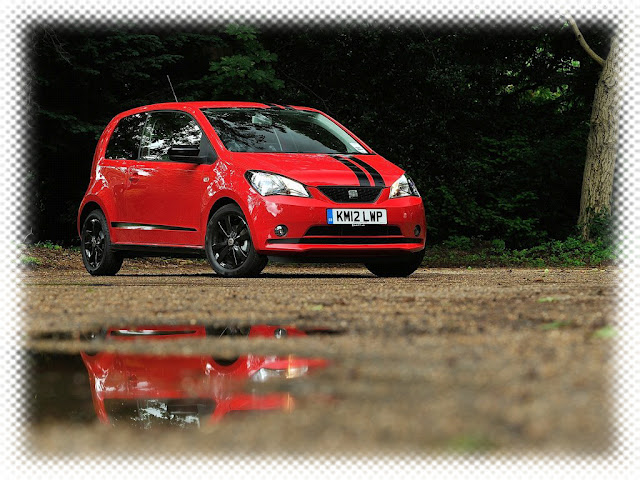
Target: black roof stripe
{"points": [[279, 107], [375, 175], [362, 177]]}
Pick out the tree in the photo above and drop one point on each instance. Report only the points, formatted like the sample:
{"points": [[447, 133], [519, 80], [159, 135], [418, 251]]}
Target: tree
{"points": [[597, 181]]}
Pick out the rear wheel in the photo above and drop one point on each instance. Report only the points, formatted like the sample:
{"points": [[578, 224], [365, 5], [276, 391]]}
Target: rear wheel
{"points": [[98, 255], [401, 266], [229, 247]]}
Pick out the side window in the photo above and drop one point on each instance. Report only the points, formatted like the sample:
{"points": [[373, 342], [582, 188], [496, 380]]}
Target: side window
{"points": [[125, 139], [166, 129]]}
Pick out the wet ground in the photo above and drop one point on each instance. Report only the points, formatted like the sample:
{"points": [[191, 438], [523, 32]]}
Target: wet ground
{"points": [[462, 359]]}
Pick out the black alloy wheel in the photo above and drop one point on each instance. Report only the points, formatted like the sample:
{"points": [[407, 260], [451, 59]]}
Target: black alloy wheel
{"points": [[98, 255], [93, 243], [229, 247], [231, 241]]}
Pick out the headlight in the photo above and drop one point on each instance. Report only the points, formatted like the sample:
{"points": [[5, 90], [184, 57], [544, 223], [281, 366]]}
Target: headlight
{"points": [[271, 184], [404, 187]]}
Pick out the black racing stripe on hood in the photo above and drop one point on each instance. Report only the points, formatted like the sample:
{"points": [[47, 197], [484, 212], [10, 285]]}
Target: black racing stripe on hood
{"points": [[362, 177], [375, 175]]}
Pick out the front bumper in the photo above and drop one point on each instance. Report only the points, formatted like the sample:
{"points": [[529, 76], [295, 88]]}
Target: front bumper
{"points": [[309, 235]]}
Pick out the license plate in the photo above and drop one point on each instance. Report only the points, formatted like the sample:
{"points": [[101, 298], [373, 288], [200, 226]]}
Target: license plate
{"points": [[356, 216]]}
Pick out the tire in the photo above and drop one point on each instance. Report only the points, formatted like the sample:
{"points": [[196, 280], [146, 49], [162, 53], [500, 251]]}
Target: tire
{"points": [[98, 255], [401, 266], [229, 246]]}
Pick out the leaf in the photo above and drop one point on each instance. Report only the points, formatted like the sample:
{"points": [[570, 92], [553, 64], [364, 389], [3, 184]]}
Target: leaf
{"points": [[547, 299], [470, 443], [553, 325], [605, 332]]}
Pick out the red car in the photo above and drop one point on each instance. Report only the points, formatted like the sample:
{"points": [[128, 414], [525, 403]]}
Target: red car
{"points": [[241, 182], [188, 390]]}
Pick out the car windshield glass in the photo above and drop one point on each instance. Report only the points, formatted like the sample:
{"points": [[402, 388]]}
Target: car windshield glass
{"points": [[275, 130]]}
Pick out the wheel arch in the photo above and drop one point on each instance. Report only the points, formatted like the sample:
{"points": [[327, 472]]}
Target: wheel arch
{"points": [[87, 208], [219, 203]]}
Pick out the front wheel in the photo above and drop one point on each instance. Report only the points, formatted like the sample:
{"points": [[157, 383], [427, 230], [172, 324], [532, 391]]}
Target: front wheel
{"points": [[229, 247], [401, 266]]}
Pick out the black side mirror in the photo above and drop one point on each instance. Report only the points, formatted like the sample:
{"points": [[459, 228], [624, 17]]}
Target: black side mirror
{"points": [[185, 153]]}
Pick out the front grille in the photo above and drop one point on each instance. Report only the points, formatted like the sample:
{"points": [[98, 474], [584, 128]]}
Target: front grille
{"points": [[351, 231], [341, 194]]}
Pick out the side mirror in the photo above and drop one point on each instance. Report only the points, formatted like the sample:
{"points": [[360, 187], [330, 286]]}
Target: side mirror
{"points": [[185, 153]]}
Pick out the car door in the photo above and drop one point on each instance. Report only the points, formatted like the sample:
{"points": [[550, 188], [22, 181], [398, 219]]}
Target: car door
{"points": [[163, 198], [121, 152]]}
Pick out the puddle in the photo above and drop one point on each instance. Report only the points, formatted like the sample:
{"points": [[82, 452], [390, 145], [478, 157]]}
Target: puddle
{"points": [[269, 388], [180, 391]]}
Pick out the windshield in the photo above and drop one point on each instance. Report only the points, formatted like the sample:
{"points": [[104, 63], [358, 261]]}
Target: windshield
{"points": [[287, 131]]}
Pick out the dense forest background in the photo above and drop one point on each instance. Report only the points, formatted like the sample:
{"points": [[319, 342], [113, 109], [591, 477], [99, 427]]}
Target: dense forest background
{"points": [[492, 124]]}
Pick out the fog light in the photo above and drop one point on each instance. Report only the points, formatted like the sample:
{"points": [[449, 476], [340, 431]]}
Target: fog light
{"points": [[281, 230], [417, 230]]}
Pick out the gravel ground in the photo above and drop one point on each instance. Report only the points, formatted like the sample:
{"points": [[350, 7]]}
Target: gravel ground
{"points": [[462, 359]]}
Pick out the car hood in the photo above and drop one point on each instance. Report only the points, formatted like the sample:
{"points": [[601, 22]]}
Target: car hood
{"points": [[323, 169]]}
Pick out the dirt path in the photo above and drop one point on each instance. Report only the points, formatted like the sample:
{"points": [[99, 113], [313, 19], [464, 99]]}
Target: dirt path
{"points": [[447, 358]]}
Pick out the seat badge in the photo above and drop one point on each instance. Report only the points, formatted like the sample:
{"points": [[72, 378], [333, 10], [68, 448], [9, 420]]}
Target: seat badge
{"points": [[353, 193], [205, 179]]}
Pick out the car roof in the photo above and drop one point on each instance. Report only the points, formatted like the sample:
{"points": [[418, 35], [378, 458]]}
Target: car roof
{"points": [[210, 104]]}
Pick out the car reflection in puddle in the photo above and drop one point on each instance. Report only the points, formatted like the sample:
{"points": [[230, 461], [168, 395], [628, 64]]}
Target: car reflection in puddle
{"points": [[189, 391]]}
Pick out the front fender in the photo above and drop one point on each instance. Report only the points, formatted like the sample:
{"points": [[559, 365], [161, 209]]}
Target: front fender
{"points": [[227, 183]]}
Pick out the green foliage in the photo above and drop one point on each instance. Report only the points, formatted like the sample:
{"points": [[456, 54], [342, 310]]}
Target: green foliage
{"points": [[247, 74], [605, 332], [471, 443], [49, 245], [572, 252], [458, 242], [29, 261], [498, 246], [553, 325], [546, 299]]}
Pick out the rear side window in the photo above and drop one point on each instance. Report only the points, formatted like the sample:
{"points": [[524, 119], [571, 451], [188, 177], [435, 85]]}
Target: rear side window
{"points": [[166, 129], [125, 139]]}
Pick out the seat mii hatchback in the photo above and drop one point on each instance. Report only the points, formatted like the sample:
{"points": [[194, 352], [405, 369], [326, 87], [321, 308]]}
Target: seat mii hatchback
{"points": [[244, 182]]}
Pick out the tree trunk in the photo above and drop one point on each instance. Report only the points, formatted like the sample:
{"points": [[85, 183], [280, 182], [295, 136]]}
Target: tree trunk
{"points": [[597, 182]]}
